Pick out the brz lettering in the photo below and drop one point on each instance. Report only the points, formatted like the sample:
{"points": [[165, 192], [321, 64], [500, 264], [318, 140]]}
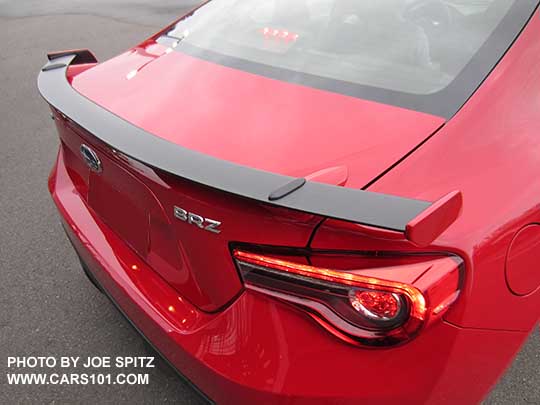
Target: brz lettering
{"points": [[207, 224]]}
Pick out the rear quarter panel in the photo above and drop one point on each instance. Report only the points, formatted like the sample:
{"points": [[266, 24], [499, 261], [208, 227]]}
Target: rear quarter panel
{"points": [[491, 152]]}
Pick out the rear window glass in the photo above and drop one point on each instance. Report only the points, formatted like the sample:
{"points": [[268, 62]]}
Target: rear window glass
{"points": [[409, 46]]}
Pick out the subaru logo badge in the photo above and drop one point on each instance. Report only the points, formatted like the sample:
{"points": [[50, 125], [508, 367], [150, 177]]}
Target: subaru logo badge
{"points": [[91, 158]]}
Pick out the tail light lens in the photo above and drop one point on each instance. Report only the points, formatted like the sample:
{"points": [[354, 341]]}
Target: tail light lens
{"points": [[363, 299], [378, 305]]}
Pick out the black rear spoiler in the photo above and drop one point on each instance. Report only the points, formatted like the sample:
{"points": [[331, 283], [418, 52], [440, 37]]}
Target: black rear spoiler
{"points": [[420, 221]]}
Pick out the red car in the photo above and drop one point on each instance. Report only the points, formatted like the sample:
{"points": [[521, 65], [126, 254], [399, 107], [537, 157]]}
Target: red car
{"points": [[314, 201]]}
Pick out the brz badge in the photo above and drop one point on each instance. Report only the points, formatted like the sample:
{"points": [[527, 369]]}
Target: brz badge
{"points": [[207, 224]]}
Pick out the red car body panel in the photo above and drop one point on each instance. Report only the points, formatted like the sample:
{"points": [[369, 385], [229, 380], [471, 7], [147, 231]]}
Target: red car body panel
{"points": [[260, 350], [183, 292], [272, 133], [196, 264], [490, 154]]}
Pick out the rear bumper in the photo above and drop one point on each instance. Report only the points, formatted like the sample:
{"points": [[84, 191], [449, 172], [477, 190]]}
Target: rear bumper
{"points": [[92, 279], [260, 350]]}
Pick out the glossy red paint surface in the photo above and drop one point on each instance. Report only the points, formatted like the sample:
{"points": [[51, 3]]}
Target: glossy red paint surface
{"points": [[337, 175], [195, 262], [427, 226], [180, 287], [253, 120], [261, 350]]}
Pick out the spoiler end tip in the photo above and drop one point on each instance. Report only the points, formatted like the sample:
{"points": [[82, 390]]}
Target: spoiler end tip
{"points": [[81, 56], [432, 222]]}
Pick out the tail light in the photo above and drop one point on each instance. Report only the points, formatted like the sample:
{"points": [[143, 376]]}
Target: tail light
{"points": [[371, 299]]}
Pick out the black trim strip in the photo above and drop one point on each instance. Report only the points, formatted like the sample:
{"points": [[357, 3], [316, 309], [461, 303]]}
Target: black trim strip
{"points": [[363, 207]]}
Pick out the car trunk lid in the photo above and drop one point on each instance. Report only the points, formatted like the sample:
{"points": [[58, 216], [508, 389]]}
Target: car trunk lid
{"points": [[138, 203], [235, 116], [252, 120]]}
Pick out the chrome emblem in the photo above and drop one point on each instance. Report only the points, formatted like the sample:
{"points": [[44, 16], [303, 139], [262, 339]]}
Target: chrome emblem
{"points": [[207, 224], [90, 158]]}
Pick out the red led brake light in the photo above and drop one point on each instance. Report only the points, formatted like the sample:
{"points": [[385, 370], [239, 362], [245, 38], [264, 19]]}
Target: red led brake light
{"points": [[368, 310], [341, 277]]}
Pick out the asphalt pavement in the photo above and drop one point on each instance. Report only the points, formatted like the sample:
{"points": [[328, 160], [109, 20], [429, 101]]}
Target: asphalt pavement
{"points": [[47, 306]]}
